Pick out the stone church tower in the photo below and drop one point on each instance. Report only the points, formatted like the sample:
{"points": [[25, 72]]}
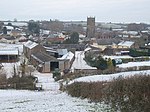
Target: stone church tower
{"points": [[90, 31]]}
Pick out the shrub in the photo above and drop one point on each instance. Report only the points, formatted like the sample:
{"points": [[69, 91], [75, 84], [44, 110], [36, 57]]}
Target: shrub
{"points": [[25, 82], [122, 94], [92, 91], [129, 95], [3, 77], [56, 74]]}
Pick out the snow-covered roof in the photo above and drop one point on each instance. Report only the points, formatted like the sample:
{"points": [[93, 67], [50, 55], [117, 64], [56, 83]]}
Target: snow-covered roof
{"points": [[82, 36], [9, 27], [12, 46], [17, 23], [124, 36], [118, 29], [45, 31], [69, 56], [126, 43], [130, 32], [30, 44], [9, 51], [62, 51], [52, 51], [87, 49], [117, 57], [22, 38]]}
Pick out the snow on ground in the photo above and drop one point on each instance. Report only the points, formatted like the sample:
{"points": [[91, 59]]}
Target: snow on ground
{"points": [[79, 62], [109, 77], [134, 64], [49, 100]]}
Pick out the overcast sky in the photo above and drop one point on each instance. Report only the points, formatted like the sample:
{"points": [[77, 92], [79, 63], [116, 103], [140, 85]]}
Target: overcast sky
{"points": [[103, 10]]}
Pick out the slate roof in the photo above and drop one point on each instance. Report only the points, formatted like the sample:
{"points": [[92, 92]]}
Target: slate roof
{"points": [[42, 57], [107, 41]]}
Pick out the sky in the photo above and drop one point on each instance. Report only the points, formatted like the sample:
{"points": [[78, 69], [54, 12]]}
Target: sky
{"points": [[63, 10]]}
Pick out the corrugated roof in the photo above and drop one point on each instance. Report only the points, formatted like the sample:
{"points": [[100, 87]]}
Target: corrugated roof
{"points": [[9, 51], [30, 44]]}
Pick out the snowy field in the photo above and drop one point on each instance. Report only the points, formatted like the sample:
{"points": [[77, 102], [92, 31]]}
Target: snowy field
{"points": [[109, 77], [49, 100]]}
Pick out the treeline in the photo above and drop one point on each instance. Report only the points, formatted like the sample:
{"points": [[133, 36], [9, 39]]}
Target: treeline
{"points": [[122, 94]]}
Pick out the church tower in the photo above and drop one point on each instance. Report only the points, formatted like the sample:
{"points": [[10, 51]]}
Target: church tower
{"points": [[90, 31]]}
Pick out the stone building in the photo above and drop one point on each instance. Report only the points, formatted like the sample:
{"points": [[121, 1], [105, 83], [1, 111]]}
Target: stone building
{"points": [[90, 32]]}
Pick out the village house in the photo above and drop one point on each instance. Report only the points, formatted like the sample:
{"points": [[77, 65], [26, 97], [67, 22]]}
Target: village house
{"points": [[31, 47], [46, 59], [67, 60], [43, 62], [123, 48], [126, 44]]}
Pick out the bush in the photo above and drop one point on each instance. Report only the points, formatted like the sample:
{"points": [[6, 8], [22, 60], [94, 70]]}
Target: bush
{"points": [[25, 82], [125, 95], [92, 91], [3, 78], [129, 95], [56, 75]]}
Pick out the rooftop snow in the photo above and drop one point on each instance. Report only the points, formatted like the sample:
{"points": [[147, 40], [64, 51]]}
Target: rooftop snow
{"points": [[12, 46], [9, 27], [17, 23], [30, 44], [130, 32], [126, 43], [62, 51], [87, 49], [69, 56], [117, 57], [9, 51]]}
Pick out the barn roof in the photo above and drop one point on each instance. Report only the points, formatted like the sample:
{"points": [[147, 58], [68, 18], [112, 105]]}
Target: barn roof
{"points": [[9, 51], [68, 56], [42, 57], [30, 44]]}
